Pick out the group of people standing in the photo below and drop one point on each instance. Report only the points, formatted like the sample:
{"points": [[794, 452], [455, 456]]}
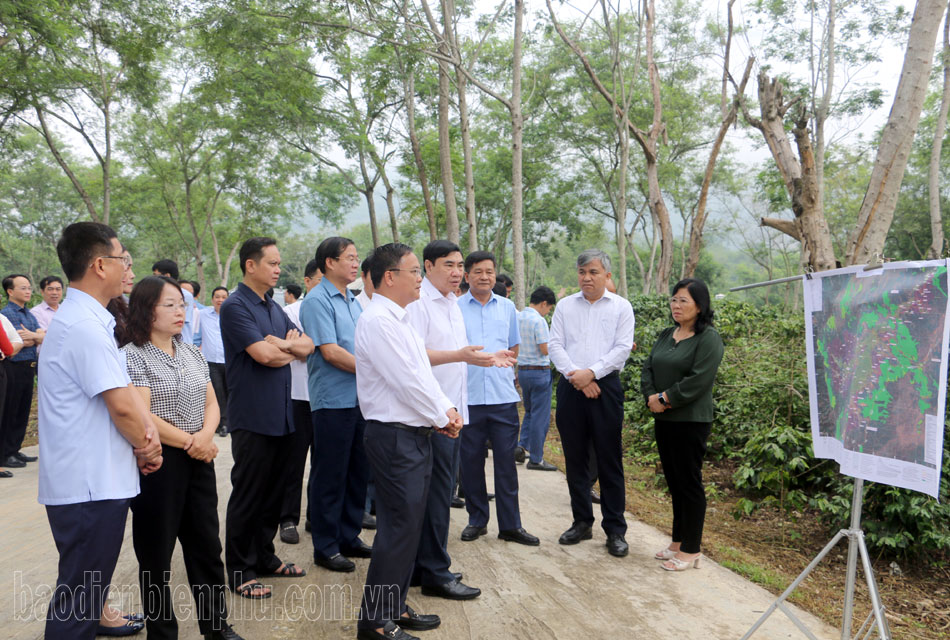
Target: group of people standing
{"points": [[400, 388]]}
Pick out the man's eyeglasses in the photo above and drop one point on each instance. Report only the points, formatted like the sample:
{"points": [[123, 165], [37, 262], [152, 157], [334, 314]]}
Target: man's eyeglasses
{"points": [[415, 272], [126, 260]]}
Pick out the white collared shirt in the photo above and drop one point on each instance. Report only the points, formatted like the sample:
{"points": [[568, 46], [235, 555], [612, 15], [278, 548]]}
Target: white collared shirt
{"points": [[394, 380], [596, 336], [438, 319], [364, 300], [83, 456], [298, 368]]}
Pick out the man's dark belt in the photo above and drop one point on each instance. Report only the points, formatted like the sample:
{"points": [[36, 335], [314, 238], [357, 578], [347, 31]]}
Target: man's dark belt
{"points": [[26, 363], [423, 431], [531, 367]]}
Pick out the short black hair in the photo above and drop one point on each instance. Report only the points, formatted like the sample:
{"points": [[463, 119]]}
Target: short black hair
{"points": [[367, 263], [543, 294], [463, 287], [8, 281], [253, 249], [332, 247], [166, 267], [503, 278], [500, 289], [80, 244], [478, 256], [438, 249], [700, 295], [195, 286], [386, 258], [311, 269], [142, 301], [294, 290], [45, 282], [216, 289]]}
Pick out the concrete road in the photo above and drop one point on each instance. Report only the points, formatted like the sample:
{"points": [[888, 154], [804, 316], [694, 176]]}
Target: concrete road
{"points": [[551, 591]]}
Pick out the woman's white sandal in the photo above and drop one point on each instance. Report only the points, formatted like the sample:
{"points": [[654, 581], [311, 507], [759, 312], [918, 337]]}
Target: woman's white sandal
{"points": [[665, 554], [675, 564]]}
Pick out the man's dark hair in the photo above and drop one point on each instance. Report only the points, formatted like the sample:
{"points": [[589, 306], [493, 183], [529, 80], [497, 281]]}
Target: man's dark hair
{"points": [[505, 280], [216, 289], [166, 267], [294, 290], [45, 282], [463, 287], [478, 256], [253, 249], [386, 258], [142, 302], [311, 269], [438, 249], [543, 294], [195, 286], [700, 295], [80, 244], [500, 289], [367, 263], [8, 281], [332, 247]]}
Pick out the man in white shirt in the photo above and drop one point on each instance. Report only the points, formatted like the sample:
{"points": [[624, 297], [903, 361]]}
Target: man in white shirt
{"points": [[95, 432], [403, 406], [366, 295], [591, 337]]}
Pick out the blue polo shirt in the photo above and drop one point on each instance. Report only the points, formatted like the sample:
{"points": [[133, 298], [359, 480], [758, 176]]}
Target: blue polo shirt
{"points": [[494, 326], [329, 317], [258, 396], [21, 316]]}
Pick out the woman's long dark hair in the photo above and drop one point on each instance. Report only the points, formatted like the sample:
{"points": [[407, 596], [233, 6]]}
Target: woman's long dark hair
{"points": [[142, 302], [119, 309], [700, 295]]}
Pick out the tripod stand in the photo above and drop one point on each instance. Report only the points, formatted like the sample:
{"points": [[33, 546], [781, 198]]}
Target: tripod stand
{"points": [[854, 534]]}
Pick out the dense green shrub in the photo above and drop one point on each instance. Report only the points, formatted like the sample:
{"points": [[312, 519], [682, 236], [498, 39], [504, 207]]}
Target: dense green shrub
{"points": [[762, 426]]}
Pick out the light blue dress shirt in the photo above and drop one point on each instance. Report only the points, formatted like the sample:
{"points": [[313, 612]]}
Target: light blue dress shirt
{"points": [[83, 456], [188, 329], [534, 331], [493, 326], [211, 345], [330, 318]]}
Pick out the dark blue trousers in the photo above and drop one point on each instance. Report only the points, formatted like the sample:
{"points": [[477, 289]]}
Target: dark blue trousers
{"points": [[536, 390], [402, 464], [433, 560], [88, 537], [498, 423], [340, 473]]}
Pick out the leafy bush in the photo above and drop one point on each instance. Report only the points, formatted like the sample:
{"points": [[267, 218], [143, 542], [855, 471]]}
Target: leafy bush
{"points": [[763, 425]]}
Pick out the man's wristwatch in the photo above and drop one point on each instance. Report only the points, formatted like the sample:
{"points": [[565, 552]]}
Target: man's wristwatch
{"points": [[662, 399]]}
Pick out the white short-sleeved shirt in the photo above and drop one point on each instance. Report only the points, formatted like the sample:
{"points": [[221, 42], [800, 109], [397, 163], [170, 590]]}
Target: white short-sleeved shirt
{"points": [[83, 456], [298, 368]]}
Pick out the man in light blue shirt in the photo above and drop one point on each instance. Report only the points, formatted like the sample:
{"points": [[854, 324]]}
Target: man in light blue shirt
{"points": [[340, 468], [95, 432], [534, 375], [213, 349], [491, 322]]}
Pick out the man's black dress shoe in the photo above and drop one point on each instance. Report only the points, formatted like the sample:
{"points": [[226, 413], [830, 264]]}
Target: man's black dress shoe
{"points": [[616, 545], [358, 550], [225, 633], [25, 458], [418, 621], [471, 532], [390, 632], [452, 590], [288, 533], [594, 497], [578, 531], [541, 466], [336, 563], [457, 503], [13, 462], [416, 579], [369, 522], [520, 536], [519, 454]]}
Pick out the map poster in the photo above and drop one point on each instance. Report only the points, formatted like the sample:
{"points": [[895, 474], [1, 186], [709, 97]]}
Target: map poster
{"points": [[876, 343]]}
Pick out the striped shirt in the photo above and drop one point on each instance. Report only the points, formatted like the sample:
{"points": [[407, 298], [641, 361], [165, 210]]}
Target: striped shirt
{"points": [[534, 332]]}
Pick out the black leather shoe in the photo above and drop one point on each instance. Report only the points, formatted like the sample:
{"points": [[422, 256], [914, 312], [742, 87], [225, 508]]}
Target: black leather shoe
{"points": [[457, 503], [616, 545], [359, 550], [520, 536], [390, 632], [541, 466], [519, 454], [471, 532], [225, 633], [594, 497], [453, 590], [369, 522], [578, 531], [307, 526], [25, 458], [13, 462], [336, 563], [418, 621], [222, 431], [288, 533]]}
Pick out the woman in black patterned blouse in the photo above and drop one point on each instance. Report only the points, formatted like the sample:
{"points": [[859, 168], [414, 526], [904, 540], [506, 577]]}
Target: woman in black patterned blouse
{"points": [[180, 500]]}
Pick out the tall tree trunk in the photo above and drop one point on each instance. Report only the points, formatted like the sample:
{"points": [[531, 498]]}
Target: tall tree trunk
{"points": [[877, 209], [409, 85], [61, 161], [936, 222], [464, 125], [823, 108], [445, 142], [517, 194], [367, 191], [390, 192]]}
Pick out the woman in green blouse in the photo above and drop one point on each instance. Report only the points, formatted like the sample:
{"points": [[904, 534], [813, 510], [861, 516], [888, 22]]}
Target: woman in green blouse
{"points": [[676, 383]]}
